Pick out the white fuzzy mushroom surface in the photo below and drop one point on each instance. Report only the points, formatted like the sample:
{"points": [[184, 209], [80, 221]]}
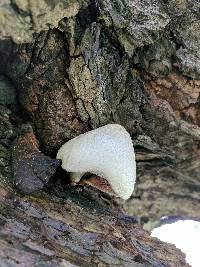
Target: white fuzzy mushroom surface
{"points": [[107, 152]]}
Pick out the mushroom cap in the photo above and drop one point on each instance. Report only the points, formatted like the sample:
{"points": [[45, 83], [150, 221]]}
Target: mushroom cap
{"points": [[107, 152]]}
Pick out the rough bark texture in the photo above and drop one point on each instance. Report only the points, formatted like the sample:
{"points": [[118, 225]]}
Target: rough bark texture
{"points": [[32, 170], [50, 231], [77, 65]]}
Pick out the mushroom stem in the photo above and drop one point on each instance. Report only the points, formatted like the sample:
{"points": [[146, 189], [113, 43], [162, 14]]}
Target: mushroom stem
{"points": [[75, 177]]}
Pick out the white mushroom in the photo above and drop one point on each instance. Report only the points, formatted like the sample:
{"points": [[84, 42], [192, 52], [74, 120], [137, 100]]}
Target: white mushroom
{"points": [[107, 152]]}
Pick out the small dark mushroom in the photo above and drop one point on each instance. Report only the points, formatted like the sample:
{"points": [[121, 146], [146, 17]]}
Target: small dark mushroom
{"points": [[32, 169]]}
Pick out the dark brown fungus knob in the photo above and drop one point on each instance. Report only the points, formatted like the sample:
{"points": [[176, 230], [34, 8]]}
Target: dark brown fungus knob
{"points": [[32, 169]]}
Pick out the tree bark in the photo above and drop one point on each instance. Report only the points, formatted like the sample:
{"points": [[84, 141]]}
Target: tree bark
{"points": [[72, 66], [77, 230]]}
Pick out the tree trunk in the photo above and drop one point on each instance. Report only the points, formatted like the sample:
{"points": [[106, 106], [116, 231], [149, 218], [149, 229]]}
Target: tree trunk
{"points": [[71, 66]]}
